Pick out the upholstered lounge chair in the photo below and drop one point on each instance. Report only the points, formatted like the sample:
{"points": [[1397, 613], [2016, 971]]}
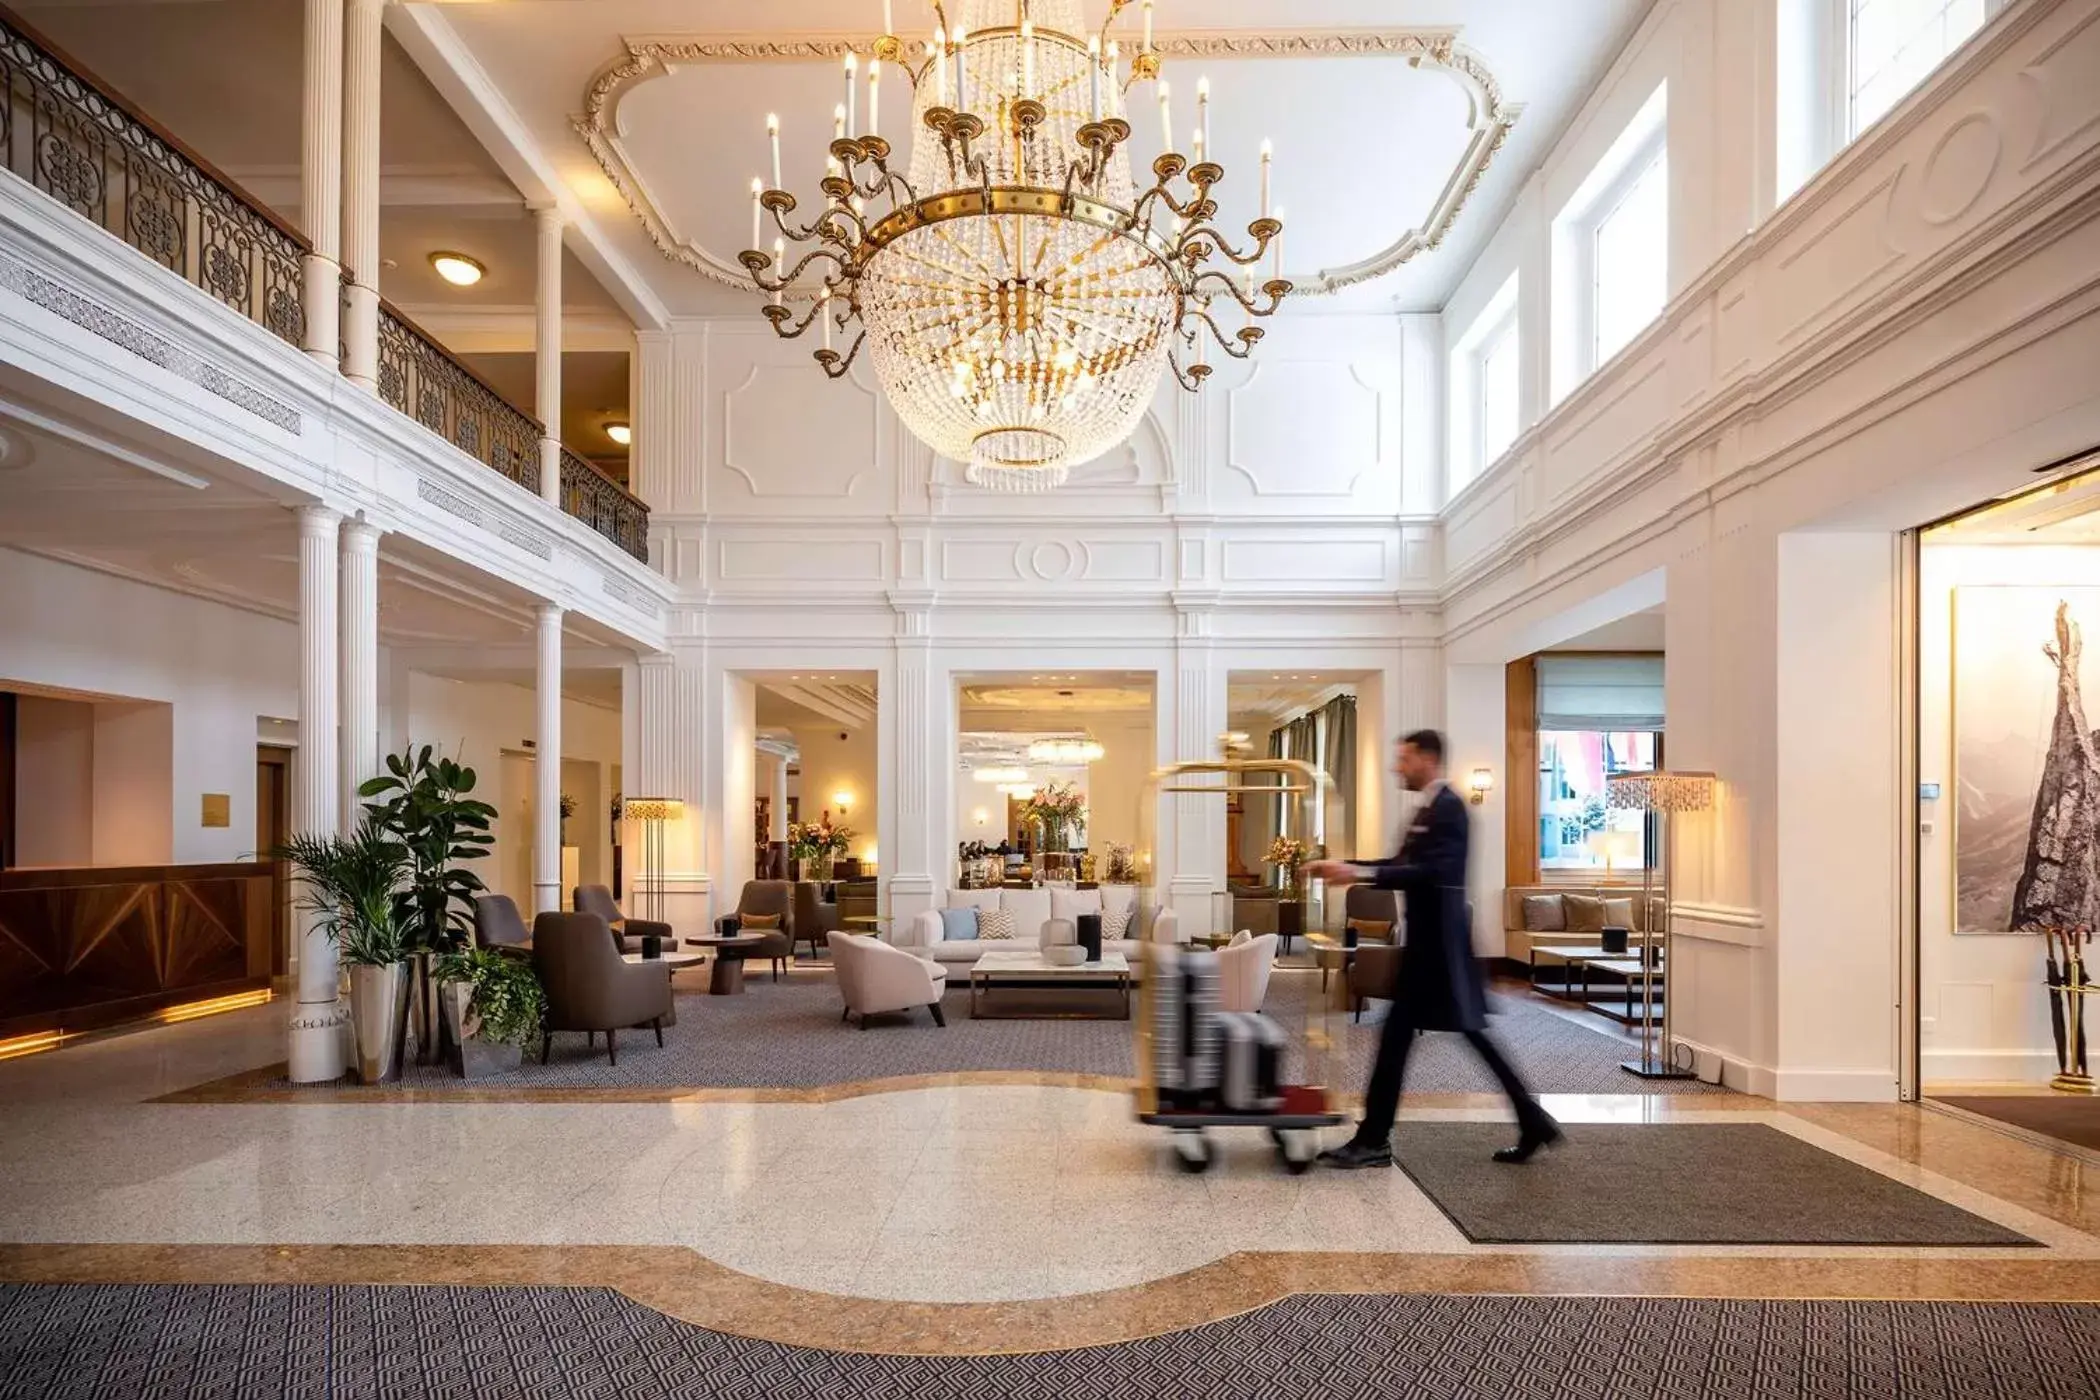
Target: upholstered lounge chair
{"points": [[768, 898], [1243, 973], [499, 927], [875, 978], [590, 987], [628, 933], [814, 920]]}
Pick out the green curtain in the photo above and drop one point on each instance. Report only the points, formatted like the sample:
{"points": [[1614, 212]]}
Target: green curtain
{"points": [[1340, 762]]}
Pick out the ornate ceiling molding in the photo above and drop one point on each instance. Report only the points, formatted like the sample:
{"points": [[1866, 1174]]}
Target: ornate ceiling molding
{"points": [[647, 58]]}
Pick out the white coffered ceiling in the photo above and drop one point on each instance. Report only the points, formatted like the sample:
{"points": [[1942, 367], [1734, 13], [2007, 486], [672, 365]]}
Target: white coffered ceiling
{"points": [[1367, 140]]}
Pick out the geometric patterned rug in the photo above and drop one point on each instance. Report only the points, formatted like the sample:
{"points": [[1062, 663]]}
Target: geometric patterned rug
{"points": [[246, 1342], [788, 1035]]}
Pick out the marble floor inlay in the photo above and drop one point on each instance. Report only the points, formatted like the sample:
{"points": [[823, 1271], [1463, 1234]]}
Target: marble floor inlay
{"points": [[951, 1213]]}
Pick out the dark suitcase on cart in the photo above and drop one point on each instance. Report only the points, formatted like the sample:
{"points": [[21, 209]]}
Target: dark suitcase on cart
{"points": [[1251, 1068]]}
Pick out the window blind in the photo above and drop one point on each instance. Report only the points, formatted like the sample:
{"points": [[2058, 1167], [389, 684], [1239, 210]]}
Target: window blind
{"points": [[1600, 692]]}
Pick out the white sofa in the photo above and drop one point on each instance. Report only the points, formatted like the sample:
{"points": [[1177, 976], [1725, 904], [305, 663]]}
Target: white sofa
{"points": [[926, 936]]}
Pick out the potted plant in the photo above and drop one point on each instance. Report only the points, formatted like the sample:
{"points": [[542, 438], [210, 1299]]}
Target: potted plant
{"points": [[422, 802], [494, 1005], [352, 885], [1056, 808], [567, 810]]}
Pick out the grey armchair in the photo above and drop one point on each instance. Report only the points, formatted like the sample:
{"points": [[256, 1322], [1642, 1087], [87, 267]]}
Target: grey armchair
{"points": [[627, 933], [769, 897], [499, 927], [590, 987], [814, 921]]}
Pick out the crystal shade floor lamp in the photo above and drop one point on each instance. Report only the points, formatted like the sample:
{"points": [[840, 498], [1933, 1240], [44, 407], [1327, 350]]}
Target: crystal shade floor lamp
{"points": [[654, 813], [1664, 794]]}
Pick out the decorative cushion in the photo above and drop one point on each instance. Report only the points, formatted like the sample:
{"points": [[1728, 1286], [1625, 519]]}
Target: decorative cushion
{"points": [[1618, 913], [958, 925], [1377, 930], [1118, 897], [759, 921], [1243, 936], [1585, 913], [1115, 923], [995, 923], [1070, 904], [1544, 913]]}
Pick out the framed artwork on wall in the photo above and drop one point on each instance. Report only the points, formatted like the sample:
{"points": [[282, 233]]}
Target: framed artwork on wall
{"points": [[2026, 762]]}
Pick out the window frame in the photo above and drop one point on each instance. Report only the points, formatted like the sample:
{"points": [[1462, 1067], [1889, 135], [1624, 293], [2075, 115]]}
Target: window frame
{"points": [[1573, 288], [1845, 20], [1466, 441], [1656, 161]]}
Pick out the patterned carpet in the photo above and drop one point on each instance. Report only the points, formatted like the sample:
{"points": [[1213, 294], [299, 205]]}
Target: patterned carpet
{"points": [[788, 1035], [117, 1342]]}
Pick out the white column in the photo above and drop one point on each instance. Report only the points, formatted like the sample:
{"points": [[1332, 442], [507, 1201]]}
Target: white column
{"points": [[546, 352], [360, 662], [777, 789], [915, 758], [361, 188], [546, 804], [1197, 713], [321, 178], [674, 724], [316, 1051]]}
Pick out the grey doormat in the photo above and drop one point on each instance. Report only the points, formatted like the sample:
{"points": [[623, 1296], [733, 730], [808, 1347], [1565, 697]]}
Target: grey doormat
{"points": [[1673, 1183], [2072, 1118], [239, 1342]]}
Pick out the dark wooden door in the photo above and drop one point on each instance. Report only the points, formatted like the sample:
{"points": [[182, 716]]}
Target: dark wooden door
{"points": [[273, 823]]}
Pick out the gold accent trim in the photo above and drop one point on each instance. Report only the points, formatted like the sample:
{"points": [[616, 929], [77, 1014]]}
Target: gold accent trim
{"points": [[682, 1284], [650, 57]]}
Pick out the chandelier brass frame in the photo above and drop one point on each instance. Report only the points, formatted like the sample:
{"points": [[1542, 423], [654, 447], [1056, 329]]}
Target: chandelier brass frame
{"points": [[1168, 226]]}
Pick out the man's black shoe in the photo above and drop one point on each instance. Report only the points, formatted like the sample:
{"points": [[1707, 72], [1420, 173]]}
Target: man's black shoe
{"points": [[1353, 1156], [1544, 1135]]}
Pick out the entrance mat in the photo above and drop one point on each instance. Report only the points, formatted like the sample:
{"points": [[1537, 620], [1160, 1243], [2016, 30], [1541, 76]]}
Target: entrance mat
{"points": [[2072, 1118], [265, 1342], [1673, 1183]]}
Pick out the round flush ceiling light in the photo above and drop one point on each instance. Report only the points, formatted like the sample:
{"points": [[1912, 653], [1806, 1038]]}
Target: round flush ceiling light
{"points": [[619, 432], [457, 268]]}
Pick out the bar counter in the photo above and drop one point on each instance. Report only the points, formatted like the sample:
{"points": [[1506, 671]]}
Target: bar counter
{"points": [[87, 947]]}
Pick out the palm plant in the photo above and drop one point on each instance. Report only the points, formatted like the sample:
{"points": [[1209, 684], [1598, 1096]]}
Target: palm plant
{"points": [[424, 808], [349, 883]]}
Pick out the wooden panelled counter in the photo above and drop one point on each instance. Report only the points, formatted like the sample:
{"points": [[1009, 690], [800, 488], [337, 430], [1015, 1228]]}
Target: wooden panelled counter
{"points": [[87, 947]]}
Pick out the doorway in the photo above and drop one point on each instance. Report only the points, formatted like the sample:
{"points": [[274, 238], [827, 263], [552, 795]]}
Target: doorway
{"points": [[273, 826]]}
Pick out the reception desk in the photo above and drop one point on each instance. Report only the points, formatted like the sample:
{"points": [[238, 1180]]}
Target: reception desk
{"points": [[89, 947]]}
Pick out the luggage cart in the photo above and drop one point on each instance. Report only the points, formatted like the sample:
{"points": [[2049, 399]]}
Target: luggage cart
{"points": [[1301, 1109]]}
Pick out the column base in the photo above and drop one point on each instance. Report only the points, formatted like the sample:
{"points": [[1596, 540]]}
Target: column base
{"points": [[317, 1054]]}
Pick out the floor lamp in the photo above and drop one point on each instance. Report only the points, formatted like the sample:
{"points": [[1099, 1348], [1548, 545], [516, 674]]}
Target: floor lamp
{"points": [[654, 813], [1665, 794]]}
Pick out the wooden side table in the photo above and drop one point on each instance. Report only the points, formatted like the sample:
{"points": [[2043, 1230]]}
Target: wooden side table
{"points": [[730, 950]]}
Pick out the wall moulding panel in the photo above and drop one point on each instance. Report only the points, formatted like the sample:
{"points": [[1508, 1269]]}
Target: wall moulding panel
{"points": [[88, 316]]}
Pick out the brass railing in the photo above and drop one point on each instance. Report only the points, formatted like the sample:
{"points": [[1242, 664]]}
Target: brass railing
{"points": [[89, 150], [599, 502], [417, 377]]}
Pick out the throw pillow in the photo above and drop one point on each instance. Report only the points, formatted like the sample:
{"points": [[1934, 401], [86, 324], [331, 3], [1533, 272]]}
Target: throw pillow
{"points": [[1377, 930], [959, 925], [1115, 924], [1544, 913], [1585, 913], [1070, 904], [995, 923], [1243, 936], [759, 921], [1618, 913]]}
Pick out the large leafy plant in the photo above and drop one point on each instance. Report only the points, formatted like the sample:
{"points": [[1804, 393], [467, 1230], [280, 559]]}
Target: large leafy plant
{"points": [[507, 1004], [422, 802], [351, 884]]}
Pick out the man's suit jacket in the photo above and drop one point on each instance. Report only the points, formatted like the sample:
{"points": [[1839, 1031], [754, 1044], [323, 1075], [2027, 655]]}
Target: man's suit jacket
{"points": [[1439, 986]]}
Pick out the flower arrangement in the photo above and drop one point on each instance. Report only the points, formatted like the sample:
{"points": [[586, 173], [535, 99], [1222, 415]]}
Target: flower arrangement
{"points": [[1288, 854], [814, 840], [1056, 808]]}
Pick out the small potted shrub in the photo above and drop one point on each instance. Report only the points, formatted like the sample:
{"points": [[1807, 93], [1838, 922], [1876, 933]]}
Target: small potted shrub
{"points": [[495, 1006], [350, 883]]}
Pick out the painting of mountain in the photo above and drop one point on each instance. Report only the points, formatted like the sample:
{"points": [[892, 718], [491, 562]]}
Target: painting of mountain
{"points": [[2019, 721]]}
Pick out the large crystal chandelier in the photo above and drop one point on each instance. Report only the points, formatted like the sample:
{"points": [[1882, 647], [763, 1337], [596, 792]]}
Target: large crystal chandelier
{"points": [[1017, 290]]}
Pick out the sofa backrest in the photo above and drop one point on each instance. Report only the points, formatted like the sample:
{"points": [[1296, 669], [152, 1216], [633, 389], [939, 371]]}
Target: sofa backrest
{"points": [[1032, 908], [1513, 903]]}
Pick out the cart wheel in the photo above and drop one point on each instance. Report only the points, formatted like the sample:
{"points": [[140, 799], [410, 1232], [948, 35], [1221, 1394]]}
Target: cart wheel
{"points": [[1193, 1150], [1295, 1151]]}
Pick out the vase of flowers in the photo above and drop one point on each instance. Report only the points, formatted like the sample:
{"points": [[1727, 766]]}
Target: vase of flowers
{"points": [[1055, 808], [814, 846], [1288, 854]]}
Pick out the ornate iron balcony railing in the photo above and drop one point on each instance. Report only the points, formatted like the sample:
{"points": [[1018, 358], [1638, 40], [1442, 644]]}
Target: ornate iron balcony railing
{"points": [[84, 146]]}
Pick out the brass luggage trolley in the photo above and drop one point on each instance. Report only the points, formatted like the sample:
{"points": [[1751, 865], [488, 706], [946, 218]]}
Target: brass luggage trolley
{"points": [[1305, 1106]]}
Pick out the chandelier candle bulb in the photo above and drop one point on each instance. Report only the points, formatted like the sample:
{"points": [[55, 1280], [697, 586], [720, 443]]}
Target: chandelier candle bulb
{"points": [[846, 112], [1276, 249], [779, 265], [1267, 153], [757, 189], [1202, 116], [940, 67], [1027, 58], [1166, 117], [962, 77], [888, 18], [1196, 144], [838, 122], [1093, 73], [1147, 47], [773, 136], [874, 96]]}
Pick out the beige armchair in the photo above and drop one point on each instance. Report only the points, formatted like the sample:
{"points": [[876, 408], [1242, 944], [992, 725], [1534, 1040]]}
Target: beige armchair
{"points": [[590, 987], [1243, 973], [628, 933], [875, 977]]}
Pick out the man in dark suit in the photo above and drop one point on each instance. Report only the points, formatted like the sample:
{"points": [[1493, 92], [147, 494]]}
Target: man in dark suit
{"points": [[1439, 985]]}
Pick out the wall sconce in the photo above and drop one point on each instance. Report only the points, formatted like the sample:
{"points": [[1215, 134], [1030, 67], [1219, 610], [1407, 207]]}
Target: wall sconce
{"points": [[1479, 783], [843, 800], [981, 817]]}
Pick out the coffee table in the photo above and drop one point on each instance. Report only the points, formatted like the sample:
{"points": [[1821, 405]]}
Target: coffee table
{"points": [[727, 980], [676, 961], [1028, 968]]}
